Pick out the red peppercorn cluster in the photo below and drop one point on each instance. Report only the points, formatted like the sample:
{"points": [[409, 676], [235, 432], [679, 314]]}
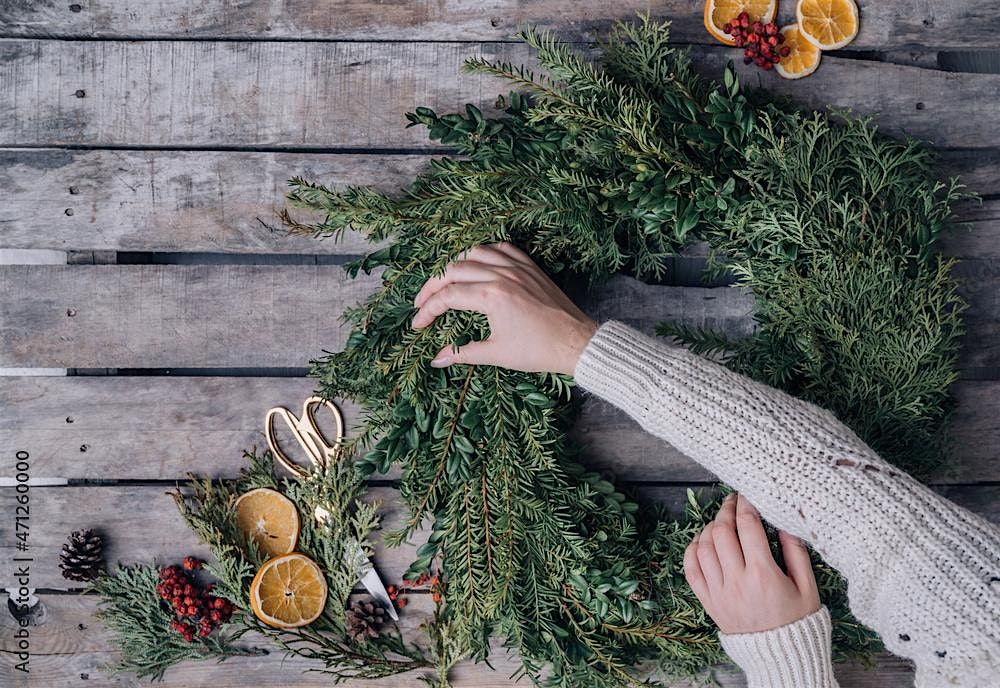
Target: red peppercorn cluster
{"points": [[396, 595], [761, 42], [433, 582], [197, 610]]}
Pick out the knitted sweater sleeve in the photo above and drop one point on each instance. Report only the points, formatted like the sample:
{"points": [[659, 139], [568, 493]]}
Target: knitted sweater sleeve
{"points": [[921, 571]]}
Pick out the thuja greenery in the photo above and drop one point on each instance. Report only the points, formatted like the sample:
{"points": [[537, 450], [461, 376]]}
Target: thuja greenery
{"points": [[140, 626], [140, 621], [348, 521], [609, 167]]}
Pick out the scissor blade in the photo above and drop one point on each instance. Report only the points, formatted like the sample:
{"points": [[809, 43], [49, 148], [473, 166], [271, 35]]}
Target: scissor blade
{"points": [[373, 584]]}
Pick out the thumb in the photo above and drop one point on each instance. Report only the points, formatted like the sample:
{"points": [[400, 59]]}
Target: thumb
{"points": [[797, 562], [473, 353]]}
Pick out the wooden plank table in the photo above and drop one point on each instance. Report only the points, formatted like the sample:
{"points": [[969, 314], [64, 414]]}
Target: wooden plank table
{"points": [[146, 147]]}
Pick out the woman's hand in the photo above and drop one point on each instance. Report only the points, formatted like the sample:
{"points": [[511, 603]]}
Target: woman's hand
{"points": [[534, 326], [730, 568]]}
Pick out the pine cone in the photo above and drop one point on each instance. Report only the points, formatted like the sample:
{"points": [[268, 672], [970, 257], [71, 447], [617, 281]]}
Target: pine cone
{"points": [[82, 557], [364, 619]]}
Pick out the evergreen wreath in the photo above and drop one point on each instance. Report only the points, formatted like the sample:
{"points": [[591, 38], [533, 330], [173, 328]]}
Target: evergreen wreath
{"points": [[610, 167]]}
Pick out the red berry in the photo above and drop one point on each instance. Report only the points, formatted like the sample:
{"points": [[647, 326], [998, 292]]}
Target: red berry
{"points": [[401, 603], [192, 610], [215, 615], [785, 51], [767, 66], [773, 40], [192, 563], [776, 59], [739, 41], [727, 29]]}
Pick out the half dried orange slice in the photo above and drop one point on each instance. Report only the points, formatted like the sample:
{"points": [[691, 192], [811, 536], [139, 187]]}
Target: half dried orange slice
{"points": [[828, 24], [718, 13], [270, 519], [288, 591], [803, 57]]}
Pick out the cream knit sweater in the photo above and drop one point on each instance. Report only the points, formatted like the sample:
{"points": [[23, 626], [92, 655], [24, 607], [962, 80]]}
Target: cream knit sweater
{"points": [[921, 571]]}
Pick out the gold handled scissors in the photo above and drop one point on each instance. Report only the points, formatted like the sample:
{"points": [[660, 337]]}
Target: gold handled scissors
{"points": [[316, 446], [320, 451]]}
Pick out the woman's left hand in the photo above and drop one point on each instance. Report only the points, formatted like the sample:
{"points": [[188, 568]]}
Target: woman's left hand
{"points": [[730, 568]]}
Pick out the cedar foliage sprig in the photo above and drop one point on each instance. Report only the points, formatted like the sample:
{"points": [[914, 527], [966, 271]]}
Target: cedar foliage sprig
{"points": [[140, 624], [209, 509], [596, 169], [140, 621]]}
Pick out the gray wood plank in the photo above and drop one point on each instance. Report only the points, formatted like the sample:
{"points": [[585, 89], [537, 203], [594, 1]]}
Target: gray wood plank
{"points": [[152, 316], [906, 100], [203, 201], [354, 95], [958, 23], [149, 316], [125, 316], [225, 202], [142, 524], [89, 427], [70, 644]]}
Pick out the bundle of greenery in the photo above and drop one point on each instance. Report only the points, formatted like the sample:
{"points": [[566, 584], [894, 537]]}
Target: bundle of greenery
{"points": [[607, 167]]}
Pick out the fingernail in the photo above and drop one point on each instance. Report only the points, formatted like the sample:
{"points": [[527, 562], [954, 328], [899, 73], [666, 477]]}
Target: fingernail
{"points": [[442, 362]]}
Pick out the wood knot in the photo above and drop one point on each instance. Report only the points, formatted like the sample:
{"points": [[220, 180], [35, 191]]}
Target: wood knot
{"points": [[80, 93], [75, 8]]}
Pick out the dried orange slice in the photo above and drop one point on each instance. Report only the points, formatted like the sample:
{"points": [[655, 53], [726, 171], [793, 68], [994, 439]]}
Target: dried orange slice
{"points": [[718, 13], [270, 519], [803, 57], [828, 24], [288, 591]]}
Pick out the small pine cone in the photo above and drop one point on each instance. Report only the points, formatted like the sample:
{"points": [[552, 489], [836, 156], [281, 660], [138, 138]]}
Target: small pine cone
{"points": [[364, 618], [82, 558]]}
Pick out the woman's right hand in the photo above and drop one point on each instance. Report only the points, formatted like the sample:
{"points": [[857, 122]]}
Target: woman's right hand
{"points": [[534, 326], [730, 568]]}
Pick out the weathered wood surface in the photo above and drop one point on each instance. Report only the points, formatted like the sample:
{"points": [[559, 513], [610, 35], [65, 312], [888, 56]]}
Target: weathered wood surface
{"points": [[980, 287], [165, 316], [69, 646], [354, 95], [89, 427], [227, 202], [131, 316], [201, 201], [952, 24], [146, 526]]}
